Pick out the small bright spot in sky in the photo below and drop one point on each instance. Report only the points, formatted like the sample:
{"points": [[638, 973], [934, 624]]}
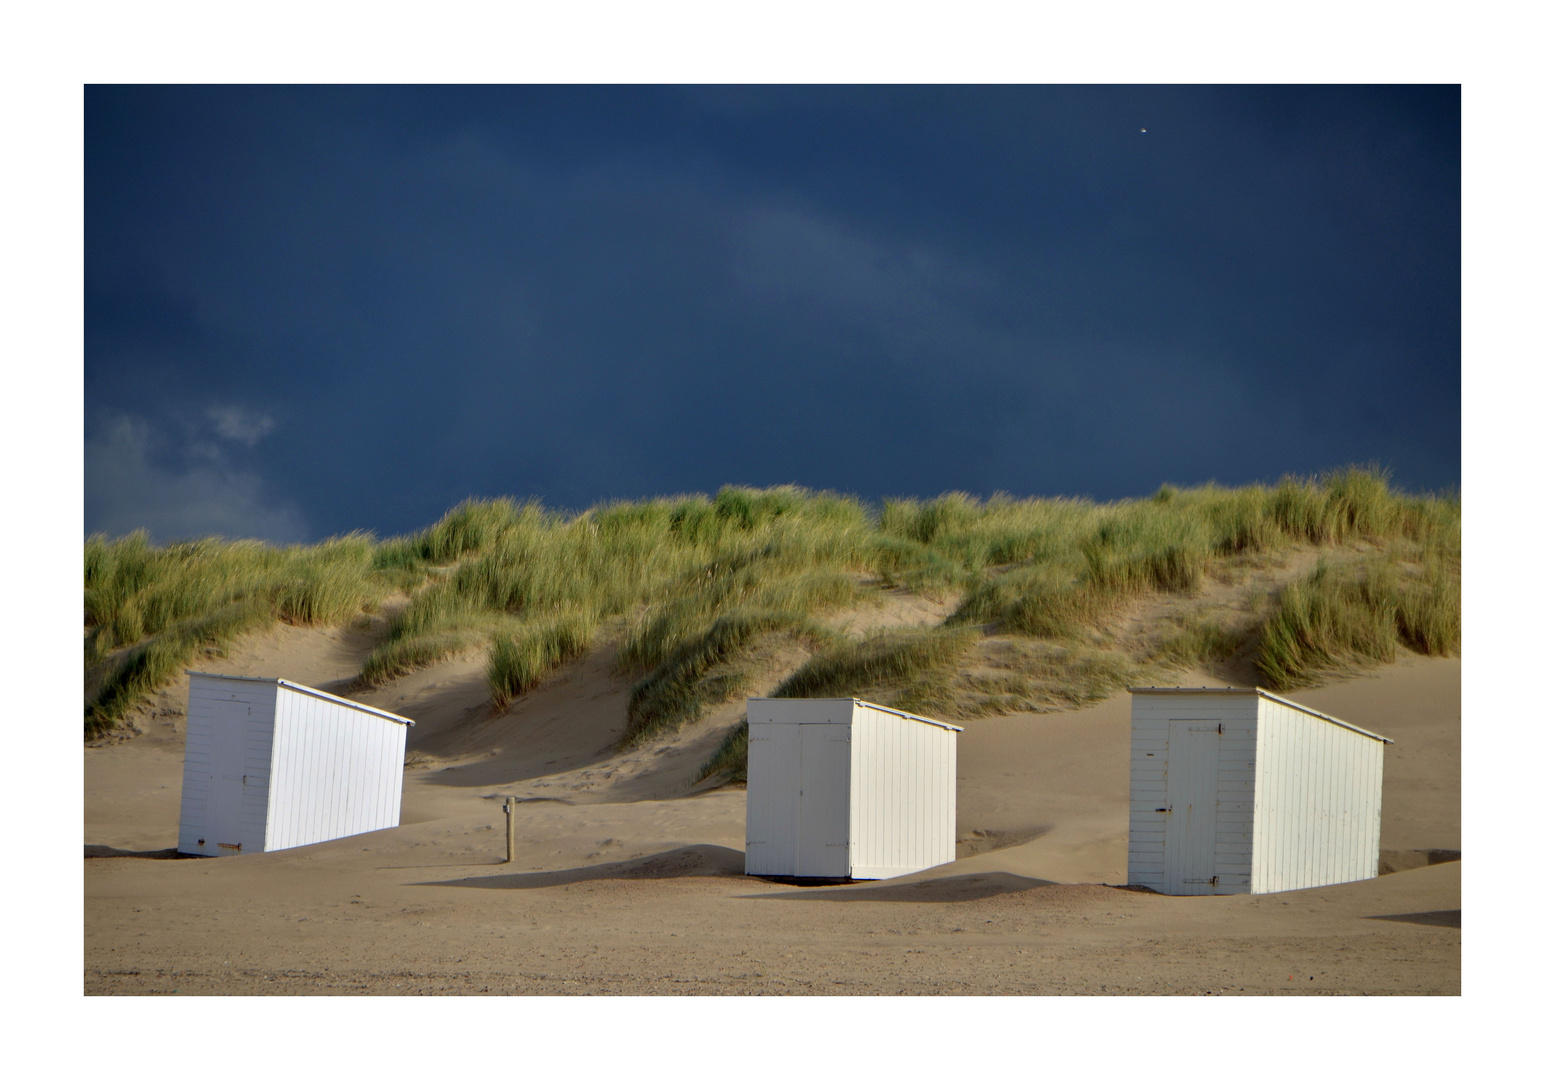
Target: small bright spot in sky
{"points": [[1143, 130]]}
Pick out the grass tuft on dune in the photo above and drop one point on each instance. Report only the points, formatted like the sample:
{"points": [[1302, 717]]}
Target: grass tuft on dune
{"points": [[520, 659], [1338, 620], [709, 668]]}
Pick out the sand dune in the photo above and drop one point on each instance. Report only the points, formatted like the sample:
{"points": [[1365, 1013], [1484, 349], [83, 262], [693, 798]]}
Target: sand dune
{"points": [[625, 881]]}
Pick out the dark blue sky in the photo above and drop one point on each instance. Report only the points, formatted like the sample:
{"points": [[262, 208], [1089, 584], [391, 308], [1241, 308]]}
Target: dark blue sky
{"points": [[315, 309]]}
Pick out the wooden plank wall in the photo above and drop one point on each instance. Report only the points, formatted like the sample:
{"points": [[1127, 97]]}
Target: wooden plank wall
{"points": [[203, 693], [1149, 790], [903, 802], [1319, 802], [337, 771]]}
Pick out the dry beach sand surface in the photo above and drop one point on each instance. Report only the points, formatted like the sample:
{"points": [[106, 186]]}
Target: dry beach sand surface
{"points": [[628, 881]]}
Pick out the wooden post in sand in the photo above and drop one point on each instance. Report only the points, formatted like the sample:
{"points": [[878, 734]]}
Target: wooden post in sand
{"points": [[509, 831]]}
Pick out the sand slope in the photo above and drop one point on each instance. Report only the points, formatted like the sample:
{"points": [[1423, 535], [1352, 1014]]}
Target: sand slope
{"points": [[626, 882]]}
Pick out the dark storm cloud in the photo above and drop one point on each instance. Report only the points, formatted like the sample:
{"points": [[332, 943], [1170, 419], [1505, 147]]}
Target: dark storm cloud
{"points": [[394, 298]]}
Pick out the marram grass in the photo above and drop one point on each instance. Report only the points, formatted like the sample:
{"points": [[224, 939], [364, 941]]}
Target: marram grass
{"points": [[898, 659], [729, 758], [151, 610], [519, 660], [704, 670], [691, 587], [1340, 619]]}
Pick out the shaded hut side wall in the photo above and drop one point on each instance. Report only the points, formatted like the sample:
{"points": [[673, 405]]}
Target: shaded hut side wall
{"points": [[242, 746], [1318, 802], [773, 773], [903, 805], [1151, 718], [314, 796]]}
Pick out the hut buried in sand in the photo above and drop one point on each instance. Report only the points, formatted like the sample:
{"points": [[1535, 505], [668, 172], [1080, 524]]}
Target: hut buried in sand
{"points": [[271, 764], [841, 788], [1241, 791]]}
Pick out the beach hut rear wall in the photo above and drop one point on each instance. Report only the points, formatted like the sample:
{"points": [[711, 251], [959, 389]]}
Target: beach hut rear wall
{"points": [[271, 764], [1242, 791], [837, 787]]}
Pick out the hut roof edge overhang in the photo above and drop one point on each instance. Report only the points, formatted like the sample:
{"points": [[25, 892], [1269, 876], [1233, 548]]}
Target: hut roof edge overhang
{"points": [[872, 705], [324, 695], [1257, 691]]}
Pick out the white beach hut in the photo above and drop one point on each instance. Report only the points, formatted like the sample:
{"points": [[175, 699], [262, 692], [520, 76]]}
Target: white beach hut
{"points": [[841, 788], [271, 764], [1242, 791]]}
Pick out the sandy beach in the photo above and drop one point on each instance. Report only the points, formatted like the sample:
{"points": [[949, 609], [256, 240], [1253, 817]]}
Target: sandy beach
{"points": [[627, 880]]}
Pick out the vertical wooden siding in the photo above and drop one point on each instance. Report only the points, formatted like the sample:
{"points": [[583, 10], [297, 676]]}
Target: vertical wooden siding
{"points": [[1319, 802], [903, 802], [337, 771]]}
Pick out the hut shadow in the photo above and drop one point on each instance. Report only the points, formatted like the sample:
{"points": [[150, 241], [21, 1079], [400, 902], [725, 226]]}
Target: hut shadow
{"points": [[695, 860], [943, 890], [102, 851], [1423, 918]]}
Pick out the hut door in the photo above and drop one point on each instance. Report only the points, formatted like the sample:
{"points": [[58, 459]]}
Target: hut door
{"points": [[772, 804], [227, 765], [1190, 835], [823, 800]]}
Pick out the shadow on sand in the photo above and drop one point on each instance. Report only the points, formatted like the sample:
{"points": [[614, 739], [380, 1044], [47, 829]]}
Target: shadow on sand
{"points": [[713, 861], [945, 890], [696, 860], [102, 851], [1423, 918]]}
